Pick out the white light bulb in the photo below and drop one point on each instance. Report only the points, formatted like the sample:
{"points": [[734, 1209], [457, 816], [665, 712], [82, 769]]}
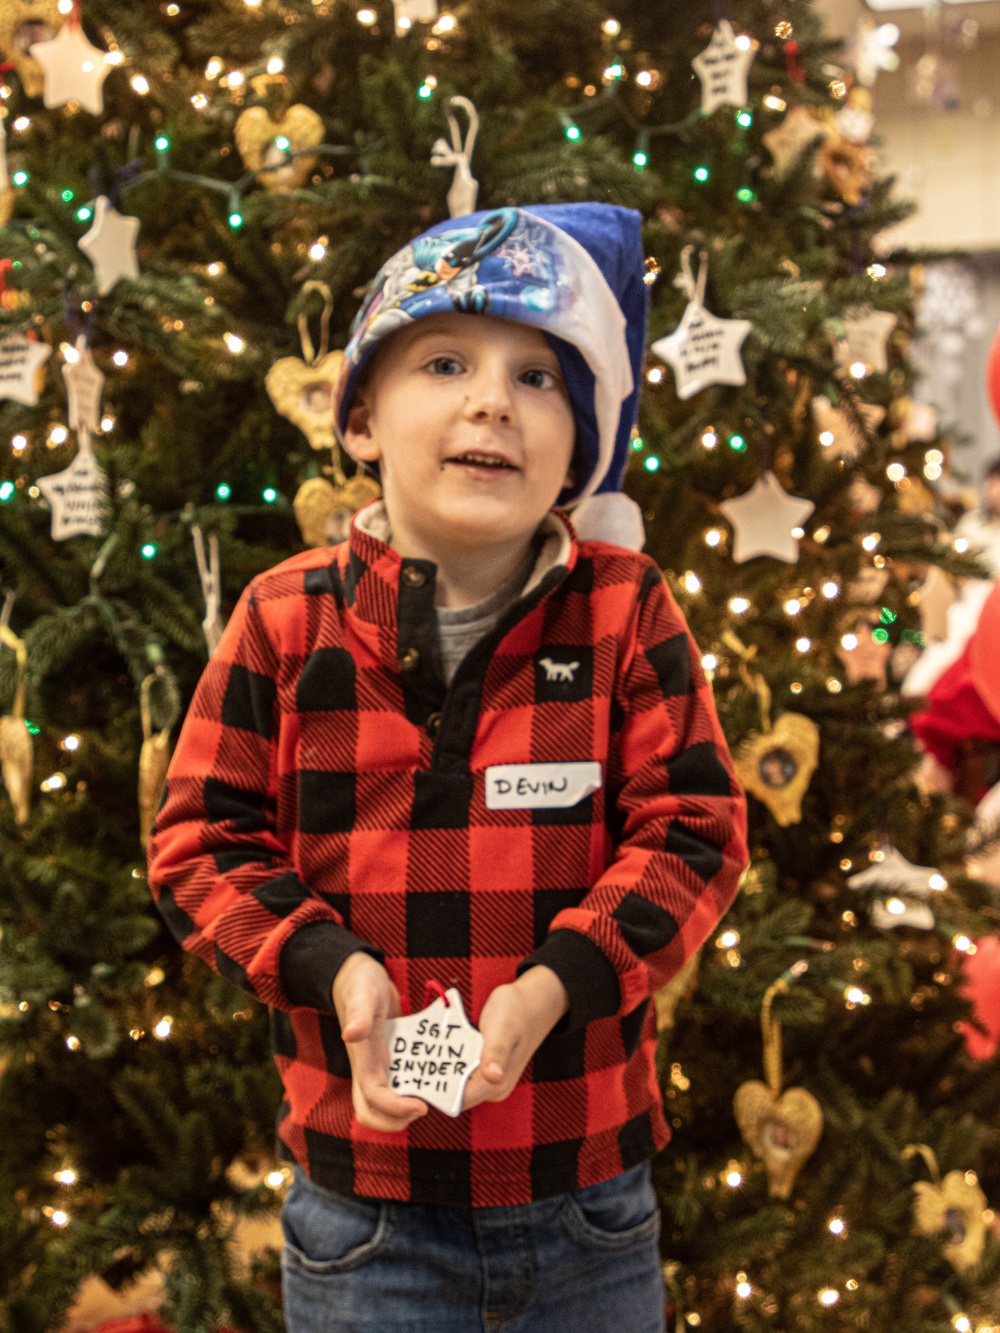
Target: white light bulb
{"points": [[828, 1296], [830, 589], [140, 84], [709, 662], [803, 645], [738, 605], [120, 358], [692, 582], [859, 370], [234, 342]]}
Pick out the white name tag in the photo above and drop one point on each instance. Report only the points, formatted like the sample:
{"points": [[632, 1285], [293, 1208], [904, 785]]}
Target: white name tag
{"points": [[540, 786]]}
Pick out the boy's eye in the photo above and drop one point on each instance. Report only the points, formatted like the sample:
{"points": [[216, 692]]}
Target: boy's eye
{"points": [[539, 379], [444, 365]]}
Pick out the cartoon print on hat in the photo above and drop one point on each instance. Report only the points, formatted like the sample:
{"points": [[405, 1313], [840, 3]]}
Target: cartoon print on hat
{"points": [[574, 271]]}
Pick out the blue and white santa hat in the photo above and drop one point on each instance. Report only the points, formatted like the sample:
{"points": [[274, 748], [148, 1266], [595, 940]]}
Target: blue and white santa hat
{"points": [[574, 271]]}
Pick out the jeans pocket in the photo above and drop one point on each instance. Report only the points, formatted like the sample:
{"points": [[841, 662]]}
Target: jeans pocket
{"points": [[616, 1214], [325, 1234]]}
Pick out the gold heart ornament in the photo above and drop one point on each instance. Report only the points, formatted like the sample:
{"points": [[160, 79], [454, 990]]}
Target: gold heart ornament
{"points": [[324, 511], [681, 987], [22, 24], [953, 1208], [777, 765], [781, 1131], [303, 393], [263, 142]]}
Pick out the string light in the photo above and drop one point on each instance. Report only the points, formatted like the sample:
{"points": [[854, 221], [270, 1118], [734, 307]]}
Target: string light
{"points": [[57, 435], [854, 996], [728, 939], [738, 443], [275, 65], [745, 195], [84, 214], [734, 1176], [317, 251], [963, 944], [235, 78], [71, 743], [164, 1028], [120, 358], [713, 537], [738, 605], [709, 439], [7, 489], [54, 783], [803, 645], [59, 1217], [652, 463], [155, 976], [709, 662], [859, 370], [73, 1043], [849, 641], [20, 178], [895, 472], [655, 375], [796, 687], [837, 1226], [21, 124], [640, 159], [269, 495], [961, 1323], [961, 545], [148, 551], [744, 119], [743, 1287], [67, 1176], [367, 17], [793, 606], [834, 685], [775, 103], [870, 541], [692, 582], [701, 174], [140, 84], [826, 438], [19, 443], [234, 342], [876, 271], [743, 42], [829, 1296], [896, 907], [214, 68], [938, 883], [223, 491], [830, 589], [274, 1180], [611, 27]]}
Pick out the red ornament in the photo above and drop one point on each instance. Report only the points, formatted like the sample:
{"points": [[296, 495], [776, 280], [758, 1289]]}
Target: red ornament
{"points": [[993, 375], [982, 989]]}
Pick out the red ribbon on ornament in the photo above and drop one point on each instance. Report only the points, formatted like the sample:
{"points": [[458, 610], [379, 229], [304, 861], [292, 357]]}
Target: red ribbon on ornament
{"points": [[795, 67], [435, 991]]}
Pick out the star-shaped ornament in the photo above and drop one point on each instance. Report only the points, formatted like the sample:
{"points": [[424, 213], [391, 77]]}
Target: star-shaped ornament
{"points": [[409, 12], [723, 67], [77, 495], [763, 520], [21, 373], [838, 434], [433, 1054], [862, 657], [74, 69], [110, 245], [704, 350], [84, 386], [866, 333], [788, 141], [892, 871]]}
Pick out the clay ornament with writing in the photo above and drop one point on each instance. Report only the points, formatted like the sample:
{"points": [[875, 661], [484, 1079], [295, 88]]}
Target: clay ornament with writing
{"points": [[433, 1054], [703, 349]]}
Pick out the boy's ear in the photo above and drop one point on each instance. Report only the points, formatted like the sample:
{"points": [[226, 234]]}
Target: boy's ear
{"points": [[359, 436]]}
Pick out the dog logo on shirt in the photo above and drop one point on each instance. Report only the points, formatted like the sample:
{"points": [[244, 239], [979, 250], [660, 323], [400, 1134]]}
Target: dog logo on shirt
{"points": [[559, 670]]}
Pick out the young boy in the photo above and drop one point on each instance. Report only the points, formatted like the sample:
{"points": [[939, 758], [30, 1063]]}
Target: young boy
{"points": [[466, 748]]}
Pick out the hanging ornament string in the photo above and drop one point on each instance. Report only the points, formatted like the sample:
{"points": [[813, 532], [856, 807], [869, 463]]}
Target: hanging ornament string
{"points": [[691, 284], [308, 352], [154, 758], [752, 679], [301, 388], [464, 188], [210, 574]]}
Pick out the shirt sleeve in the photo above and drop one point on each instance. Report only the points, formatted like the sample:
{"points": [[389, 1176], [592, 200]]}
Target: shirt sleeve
{"points": [[680, 817], [219, 870]]}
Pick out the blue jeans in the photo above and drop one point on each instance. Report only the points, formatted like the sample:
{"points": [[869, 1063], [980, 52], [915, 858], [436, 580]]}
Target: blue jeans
{"points": [[586, 1262]]}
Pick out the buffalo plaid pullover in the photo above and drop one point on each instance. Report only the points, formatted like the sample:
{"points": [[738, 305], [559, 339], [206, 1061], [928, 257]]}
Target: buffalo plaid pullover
{"points": [[327, 795]]}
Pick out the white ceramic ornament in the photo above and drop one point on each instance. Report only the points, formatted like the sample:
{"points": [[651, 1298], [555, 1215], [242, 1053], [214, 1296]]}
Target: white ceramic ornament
{"points": [[84, 386], [210, 574], [702, 350], [433, 1054], [464, 188], [722, 68], [21, 359], [74, 69], [763, 519], [838, 434], [110, 245], [866, 333], [789, 140], [896, 912], [77, 495], [897, 874], [409, 12]]}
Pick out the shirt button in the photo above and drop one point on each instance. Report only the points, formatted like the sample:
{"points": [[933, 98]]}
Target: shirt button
{"points": [[413, 577], [433, 724], [409, 659]]}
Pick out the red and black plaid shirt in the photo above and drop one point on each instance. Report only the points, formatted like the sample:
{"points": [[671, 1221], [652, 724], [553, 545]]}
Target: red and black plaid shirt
{"points": [[327, 794]]}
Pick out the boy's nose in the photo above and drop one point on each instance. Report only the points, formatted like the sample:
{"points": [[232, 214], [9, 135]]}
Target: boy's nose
{"points": [[489, 396]]}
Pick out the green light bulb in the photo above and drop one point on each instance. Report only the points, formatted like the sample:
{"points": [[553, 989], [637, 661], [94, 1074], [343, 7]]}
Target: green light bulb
{"points": [[640, 159], [701, 174], [573, 132], [6, 490], [67, 195], [161, 143], [425, 91], [148, 551], [236, 221], [283, 142], [744, 119], [20, 178], [745, 195], [880, 635], [223, 491], [638, 443], [652, 463], [738, 443], [269, 495], [84, 214]]}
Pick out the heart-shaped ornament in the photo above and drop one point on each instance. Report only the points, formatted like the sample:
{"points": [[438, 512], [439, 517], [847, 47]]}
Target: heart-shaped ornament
{"points": [[777, 765], [433, 1054], [956, 1210], [303, 392], [263, 142], [781, 1131], [324, 511]]}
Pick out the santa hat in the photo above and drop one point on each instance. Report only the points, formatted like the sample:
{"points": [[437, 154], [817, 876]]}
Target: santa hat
{"points": [[573, 271]]}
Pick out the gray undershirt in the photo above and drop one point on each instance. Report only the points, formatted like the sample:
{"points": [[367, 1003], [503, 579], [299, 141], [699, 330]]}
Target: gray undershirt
{"points": [[461, 629]]}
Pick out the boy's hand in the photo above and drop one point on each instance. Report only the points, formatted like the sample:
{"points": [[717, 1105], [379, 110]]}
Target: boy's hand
{"points": [[364, 997], [514, 1022]]}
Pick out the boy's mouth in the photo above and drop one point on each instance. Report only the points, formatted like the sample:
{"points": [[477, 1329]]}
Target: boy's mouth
{"points": [[476, 458]]}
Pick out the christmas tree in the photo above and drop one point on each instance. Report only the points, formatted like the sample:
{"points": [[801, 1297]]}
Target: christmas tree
{"points": [[274, 152]]}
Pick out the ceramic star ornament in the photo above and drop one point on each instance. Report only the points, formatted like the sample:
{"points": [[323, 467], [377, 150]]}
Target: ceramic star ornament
{"points": [[110, 245], [866, 333], [433, 1054], [763, 520], [21, 362], [77, 495], [893, 871], [703, 349], [74, 69], [788, 141], [838, 434], [723, 67]]}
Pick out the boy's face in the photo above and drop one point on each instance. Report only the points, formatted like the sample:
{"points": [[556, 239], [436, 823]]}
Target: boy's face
{"points": [[470, 422]]}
